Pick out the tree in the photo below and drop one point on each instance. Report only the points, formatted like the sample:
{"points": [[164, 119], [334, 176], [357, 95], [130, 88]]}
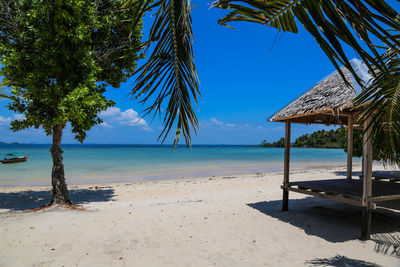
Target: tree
{"points": [[279, 143], [58, 57]]}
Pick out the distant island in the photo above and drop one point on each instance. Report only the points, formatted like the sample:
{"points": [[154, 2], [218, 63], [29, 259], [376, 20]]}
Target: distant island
{"points": [[323, 139], [12, 143]]}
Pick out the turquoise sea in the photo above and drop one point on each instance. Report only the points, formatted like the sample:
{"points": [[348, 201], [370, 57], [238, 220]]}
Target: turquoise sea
{"points": [[123, 163]]}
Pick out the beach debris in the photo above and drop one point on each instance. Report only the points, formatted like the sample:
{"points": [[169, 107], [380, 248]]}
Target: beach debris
{"points": [[31, 227]]}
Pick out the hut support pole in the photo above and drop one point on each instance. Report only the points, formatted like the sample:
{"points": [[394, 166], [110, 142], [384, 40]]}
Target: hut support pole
{"points": [[367, 183], [350, 147], [285, 201]]}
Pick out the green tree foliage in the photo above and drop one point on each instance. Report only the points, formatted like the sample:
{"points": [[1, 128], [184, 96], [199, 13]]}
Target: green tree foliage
{"points": [[322, 139], [58, 57], [329, 139], [279, 143]]}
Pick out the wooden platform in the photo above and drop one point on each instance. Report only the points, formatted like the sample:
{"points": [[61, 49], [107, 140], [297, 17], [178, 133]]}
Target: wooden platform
{"points": [[391, 176], [346, 190]]}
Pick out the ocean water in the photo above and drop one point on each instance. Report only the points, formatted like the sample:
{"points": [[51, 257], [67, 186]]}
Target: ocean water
{"points": [[123, 163]]}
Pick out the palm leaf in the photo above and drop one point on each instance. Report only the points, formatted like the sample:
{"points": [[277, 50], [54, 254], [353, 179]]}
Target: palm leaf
{"points": [[169, 75], [359, 24], [383, 96], [331, 22]]}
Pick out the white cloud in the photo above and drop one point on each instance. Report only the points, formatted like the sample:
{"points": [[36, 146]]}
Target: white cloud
{"points": [[220, 123], [128, 117], [105, 125], [19, 117], [110, 112], [4, 120], [216, 122], [7, 120]]}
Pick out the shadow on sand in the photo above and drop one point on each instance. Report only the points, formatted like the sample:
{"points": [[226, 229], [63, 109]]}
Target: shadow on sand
{"points": [[344, 174], [357, 174], [340, 261], [332, 221], [26, 200]]}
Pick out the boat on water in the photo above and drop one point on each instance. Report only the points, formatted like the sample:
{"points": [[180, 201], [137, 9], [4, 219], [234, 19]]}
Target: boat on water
{"points": [[13, 158]]}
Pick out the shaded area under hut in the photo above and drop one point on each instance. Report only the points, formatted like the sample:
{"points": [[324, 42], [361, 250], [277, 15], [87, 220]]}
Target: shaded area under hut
{"points": [[329, 102]]}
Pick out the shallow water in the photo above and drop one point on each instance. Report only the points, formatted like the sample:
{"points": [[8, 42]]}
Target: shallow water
{"points": [[119, 163]]}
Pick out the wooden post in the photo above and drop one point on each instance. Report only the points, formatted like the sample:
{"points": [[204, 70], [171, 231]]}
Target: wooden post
{"points": [[285, 201], [367, 182], [350, 147]]}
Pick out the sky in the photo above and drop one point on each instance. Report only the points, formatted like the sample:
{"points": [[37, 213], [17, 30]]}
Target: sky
{"points": [[246, 75]]}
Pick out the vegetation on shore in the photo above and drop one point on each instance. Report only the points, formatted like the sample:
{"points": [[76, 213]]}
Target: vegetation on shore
{"points": [[319, 139], [324, 139]]}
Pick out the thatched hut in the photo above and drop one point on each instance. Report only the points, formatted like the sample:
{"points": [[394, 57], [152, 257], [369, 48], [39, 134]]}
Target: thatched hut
{"points": [[329, 102]]}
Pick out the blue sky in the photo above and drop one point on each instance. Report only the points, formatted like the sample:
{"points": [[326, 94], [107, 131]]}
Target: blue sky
{"points": [[245, 77]]}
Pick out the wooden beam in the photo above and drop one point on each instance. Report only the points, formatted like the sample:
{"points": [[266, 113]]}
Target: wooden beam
{"points": [[285, 199], [350, 147], [367, 181], [351, 201], [366, 223], [384, 198]]}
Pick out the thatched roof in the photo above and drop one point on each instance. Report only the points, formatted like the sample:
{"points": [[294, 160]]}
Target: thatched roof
{"points": [[325, 100]]}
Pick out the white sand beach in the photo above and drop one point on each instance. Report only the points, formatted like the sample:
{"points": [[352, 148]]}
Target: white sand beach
{"points": [[221, 221]]}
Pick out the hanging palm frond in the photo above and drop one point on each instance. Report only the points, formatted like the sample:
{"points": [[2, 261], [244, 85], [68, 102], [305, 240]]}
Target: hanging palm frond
{"points": [[367, 26], [331, 22], [384, 109], [170, 74]]}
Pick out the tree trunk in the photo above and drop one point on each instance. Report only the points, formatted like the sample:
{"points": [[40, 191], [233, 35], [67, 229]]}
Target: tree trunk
{"points": [[59, 190]]}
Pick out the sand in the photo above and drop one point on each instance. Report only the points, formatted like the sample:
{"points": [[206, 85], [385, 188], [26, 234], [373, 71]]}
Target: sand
{"points": [[221, 221]]}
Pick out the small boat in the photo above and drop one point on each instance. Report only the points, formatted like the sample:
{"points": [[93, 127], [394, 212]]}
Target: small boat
{"points": [[12, 158]]}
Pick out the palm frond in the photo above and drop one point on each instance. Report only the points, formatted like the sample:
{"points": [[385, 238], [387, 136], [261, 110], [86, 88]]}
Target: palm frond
{"points": [[331, 22], [383, 96], [359, 24], [169, 73]]}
